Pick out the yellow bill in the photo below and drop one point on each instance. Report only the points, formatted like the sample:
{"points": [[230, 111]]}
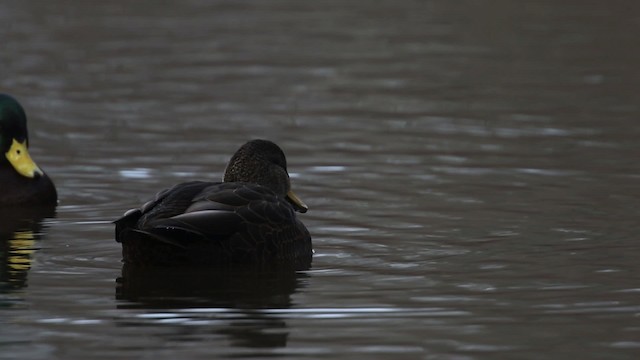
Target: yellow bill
{"points": [[297, 203], [19, 158]]}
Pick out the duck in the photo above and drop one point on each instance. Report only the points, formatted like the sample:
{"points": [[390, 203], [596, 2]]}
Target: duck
{"points": [[247, 219], [23, 183]]}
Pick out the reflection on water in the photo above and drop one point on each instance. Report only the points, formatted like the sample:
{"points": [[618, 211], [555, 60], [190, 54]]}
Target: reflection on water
{"points": [[20, 231], [228, 301]]}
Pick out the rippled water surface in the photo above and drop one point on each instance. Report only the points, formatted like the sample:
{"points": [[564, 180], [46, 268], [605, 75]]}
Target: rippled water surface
{"points": [[471, 169]]}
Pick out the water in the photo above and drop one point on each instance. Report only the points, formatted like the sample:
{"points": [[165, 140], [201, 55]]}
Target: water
{"points": [[471, 170]]}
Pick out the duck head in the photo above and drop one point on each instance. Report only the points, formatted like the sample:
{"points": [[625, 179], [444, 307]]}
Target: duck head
{"points": [[262, 162], [14, 138]]}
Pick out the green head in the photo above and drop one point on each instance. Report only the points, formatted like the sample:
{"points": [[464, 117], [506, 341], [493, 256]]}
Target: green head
{"points": [[14, 138]]}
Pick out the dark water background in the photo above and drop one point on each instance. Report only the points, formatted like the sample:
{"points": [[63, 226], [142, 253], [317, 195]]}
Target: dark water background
{"points": [[472, 171]]}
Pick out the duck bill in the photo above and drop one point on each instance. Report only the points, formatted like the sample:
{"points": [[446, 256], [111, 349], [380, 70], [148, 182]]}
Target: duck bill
{"points": [[298, 204], [21, 161]]}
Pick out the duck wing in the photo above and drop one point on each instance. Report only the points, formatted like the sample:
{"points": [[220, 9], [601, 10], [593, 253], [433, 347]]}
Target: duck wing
{"points": [[167, 203], [204, 211]]}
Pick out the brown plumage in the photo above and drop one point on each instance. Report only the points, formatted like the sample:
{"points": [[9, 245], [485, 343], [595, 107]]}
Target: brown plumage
{"points": [[247, 219]]}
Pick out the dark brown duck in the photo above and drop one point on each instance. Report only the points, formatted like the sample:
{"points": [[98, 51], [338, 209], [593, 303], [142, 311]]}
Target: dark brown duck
{"points": [[249, 218]]}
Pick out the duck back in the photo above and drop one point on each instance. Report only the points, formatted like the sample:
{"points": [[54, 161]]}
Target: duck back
{"points": [[214, 224]]}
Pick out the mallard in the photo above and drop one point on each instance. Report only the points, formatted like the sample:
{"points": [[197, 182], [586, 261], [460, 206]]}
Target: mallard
{"points": [[248, 218], [21, 180]]}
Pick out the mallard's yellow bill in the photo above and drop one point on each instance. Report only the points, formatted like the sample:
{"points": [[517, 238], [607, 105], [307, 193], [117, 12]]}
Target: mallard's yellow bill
{"points": [[297, 203], [19, 158]]}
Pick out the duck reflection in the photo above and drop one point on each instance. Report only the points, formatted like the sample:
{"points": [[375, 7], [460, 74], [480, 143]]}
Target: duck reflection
{"points": [[20, 230], [227, 301]]}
